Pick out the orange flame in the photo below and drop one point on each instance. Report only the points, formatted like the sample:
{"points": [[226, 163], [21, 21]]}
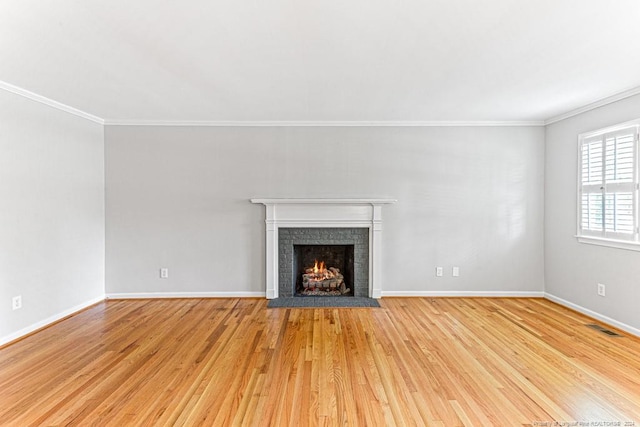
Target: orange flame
{"points": [[319, 269], [320, 272]]}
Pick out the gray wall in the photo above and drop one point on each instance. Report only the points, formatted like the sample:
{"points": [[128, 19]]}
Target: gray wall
{"points": [[573, 269], [178, 197], [51, 212]]}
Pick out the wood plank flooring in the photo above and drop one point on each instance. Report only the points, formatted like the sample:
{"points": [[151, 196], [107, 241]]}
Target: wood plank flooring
{"points": [[414, 361]]}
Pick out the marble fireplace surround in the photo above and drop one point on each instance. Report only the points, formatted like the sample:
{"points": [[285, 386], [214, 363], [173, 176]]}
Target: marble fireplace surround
{"points": [[329, 213]]}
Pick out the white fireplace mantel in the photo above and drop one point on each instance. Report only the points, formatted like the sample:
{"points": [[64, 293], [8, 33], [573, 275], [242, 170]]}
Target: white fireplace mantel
{"points": [[315, 213]]}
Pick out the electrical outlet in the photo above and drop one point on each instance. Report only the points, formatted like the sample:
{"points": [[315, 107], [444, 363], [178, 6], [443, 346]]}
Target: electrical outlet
{"points": [[601, 289], [455, 271], [164, 273], [439, 271], [16, 302]]}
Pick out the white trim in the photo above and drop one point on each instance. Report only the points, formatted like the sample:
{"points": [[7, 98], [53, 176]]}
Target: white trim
{"points": [[592, 106], [320, 123], [330, 223], [50, 102], [599, 241], [324, 123], [609, 129], [159, 295], [325, 201], [49, 320], [482, 294], [590, 313]]}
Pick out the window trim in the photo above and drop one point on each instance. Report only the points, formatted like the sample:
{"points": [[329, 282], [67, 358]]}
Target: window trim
{"points": [[590, 237], [601, 241]]}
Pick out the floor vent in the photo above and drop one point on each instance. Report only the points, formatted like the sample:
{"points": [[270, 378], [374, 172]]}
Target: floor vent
{"points": [[604, 330]]}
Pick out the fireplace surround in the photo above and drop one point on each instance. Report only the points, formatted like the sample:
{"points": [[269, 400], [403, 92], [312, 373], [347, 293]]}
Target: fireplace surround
{"points": [[297, 247], [314, 214]]}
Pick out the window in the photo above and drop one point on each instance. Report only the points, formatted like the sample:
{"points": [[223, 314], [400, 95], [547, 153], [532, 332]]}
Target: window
{"points": [[608, 186]]}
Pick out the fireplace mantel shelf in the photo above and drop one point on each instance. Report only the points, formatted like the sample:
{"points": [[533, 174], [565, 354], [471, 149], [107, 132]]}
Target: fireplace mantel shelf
{"points": [[330, 212], [324, 201]]}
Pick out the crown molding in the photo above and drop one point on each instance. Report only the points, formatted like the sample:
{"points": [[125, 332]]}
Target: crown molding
{"points": [[592, 106], [320, 123], [275, 123], [50, 102]]}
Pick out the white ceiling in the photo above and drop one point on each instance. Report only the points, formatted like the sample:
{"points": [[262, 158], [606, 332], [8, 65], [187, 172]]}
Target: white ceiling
{"points": [[321, 61]]}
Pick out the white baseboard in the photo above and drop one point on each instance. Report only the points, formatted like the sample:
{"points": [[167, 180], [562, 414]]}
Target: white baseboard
{"points": [[590, 313], [485, 294], [152, 295], [49, 320]]}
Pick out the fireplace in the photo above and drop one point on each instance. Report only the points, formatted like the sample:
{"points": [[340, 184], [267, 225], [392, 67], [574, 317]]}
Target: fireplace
{"points": [[323, 222], [323, 270]]}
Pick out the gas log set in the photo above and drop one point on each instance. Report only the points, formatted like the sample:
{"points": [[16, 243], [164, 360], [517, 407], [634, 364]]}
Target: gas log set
{"points": [[319, 280]]}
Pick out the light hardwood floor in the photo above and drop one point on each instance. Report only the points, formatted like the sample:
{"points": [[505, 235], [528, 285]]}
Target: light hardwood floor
{"points": [[415, 361]]}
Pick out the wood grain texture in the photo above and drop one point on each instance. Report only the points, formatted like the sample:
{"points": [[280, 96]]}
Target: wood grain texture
{"points": [[233, 362]]}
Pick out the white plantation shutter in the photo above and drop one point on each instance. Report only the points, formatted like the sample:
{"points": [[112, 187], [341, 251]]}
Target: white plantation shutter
{"points": [[608, 184]]}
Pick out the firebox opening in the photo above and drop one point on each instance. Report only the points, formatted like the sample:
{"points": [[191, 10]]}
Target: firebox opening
{"points": [[323, 270]]}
